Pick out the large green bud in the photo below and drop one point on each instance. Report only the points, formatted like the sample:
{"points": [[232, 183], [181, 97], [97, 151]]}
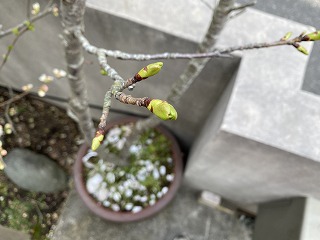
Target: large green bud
{"points": [[150, 70], [315, 36], [162, 109]]}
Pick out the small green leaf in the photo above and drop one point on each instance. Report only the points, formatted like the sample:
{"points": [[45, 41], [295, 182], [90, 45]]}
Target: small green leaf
{"points": [[29, 25], [10, 47], [15, 31]]}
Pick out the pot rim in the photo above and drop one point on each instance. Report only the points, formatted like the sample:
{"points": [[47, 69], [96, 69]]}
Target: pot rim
{"points": [[108, 214]]}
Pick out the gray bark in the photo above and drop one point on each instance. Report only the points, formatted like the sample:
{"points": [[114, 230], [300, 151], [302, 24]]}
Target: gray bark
{"points": [[72, 12]]}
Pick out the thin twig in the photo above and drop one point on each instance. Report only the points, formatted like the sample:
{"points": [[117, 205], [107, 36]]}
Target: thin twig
{"points": [[11, 46], [238, 7], [22, 25], [216, 53], [207, 4], [13, 99]]}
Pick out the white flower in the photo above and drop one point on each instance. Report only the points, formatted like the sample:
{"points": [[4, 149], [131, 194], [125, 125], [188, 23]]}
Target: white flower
{"points": [[59, 73], [43, 89], [149, 167], [115, 207], [121, 188], [113, 135], [170, 177], [136, 198], [45, 78], [164, 190], [102, 193], [27, 87], [128, 193], [159, 194], [116, 197], [152, 196], [141, 177], [149, 141], [143, 199], [152, 202], [120, 143], [136, 209], [135, 149], [35, 8], [1, 131], [128, 206], [106, 203], [127, 130], [121, 173], [94, 182], [155, 174], [111, 178], [169, 160], [162, 170]]}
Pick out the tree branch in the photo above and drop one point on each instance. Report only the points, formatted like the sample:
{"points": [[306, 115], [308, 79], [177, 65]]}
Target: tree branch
{"points": [[239, 7], [33, 19]]}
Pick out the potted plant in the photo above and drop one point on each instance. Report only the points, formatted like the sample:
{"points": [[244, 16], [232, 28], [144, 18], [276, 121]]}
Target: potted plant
{"points": [[134, 191]]}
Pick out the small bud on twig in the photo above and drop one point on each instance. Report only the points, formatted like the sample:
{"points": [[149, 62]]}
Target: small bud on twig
{"points": [[96, 142], [150, 70], [301, 48], [162, 109], [286, 37], [43, 90], [35, 8]]}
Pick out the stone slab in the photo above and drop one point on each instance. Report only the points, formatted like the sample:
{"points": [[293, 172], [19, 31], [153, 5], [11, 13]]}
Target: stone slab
{"points": [[183, 216], [262, 140], [288, 219], [11, 234]]}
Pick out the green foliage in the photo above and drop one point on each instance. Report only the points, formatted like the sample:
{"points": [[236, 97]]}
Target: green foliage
{"points": [[29, 25], [15, 31]]}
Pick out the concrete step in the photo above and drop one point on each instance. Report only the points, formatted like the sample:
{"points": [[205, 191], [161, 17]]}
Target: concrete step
{"points": [[11, 234], [184, 216]]}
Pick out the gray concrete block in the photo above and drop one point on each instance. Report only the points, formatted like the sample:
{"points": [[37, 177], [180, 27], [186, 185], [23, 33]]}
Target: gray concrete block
{"points": [[262, 140], [288, 219]]}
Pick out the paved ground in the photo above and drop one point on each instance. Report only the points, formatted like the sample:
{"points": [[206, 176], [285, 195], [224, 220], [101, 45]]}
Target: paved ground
{"points": [[10, 234], [183, 216]]}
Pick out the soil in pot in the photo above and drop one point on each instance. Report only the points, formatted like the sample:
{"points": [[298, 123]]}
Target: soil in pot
{"points": [[133, 191], [46, 129]]}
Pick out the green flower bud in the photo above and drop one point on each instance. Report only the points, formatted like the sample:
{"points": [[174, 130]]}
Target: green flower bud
{"points": [[103, 72], [96, 142], [287, 36], [302, 49], [315, 36], [150, 70], [162, 109]]}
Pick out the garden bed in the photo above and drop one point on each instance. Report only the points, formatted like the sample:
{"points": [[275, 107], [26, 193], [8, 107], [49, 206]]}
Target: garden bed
{"points": [[46, 129]]}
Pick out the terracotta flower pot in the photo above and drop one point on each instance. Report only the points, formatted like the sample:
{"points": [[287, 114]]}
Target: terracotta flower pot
{"points": [[148, 211]]}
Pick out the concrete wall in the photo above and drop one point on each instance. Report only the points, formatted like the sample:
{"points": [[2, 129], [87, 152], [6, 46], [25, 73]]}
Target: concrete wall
{"points": [[40, 51]]}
